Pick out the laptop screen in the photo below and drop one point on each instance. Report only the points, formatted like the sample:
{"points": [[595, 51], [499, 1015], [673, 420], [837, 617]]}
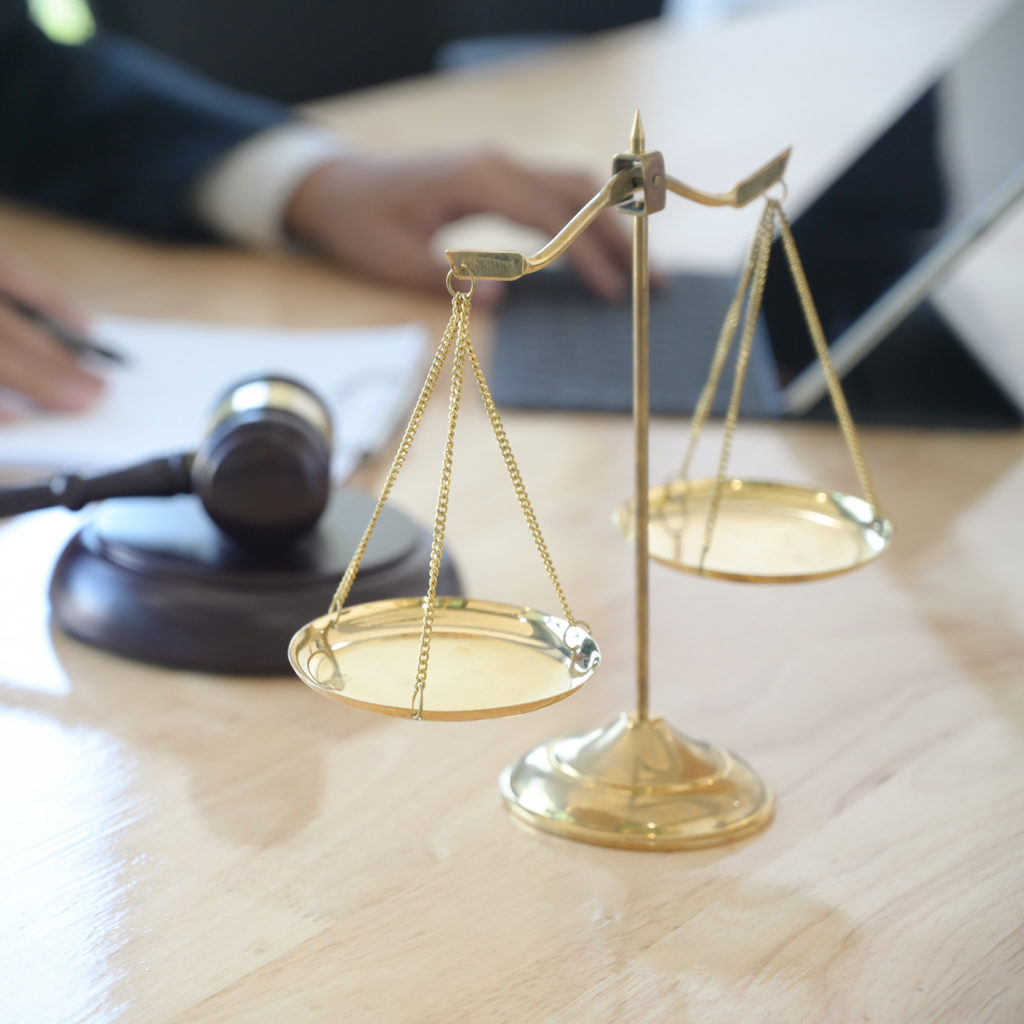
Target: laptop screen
{"points": [[928, 172]]}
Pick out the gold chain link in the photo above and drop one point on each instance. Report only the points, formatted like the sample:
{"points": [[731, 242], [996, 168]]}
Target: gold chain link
{"points": [[752, 280], [762, 250], [835, 389], [433, 375], [517, 482], [456, 332], [461, 304], [724, 344], [702, 410]]}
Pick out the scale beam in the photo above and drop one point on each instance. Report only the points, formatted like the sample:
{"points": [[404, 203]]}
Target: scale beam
{"points": [[637, 184]]}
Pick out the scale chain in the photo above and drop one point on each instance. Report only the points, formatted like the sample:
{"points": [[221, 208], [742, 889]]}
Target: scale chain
{"points": [[751, 287], [762, 249], [517, 482], [835, 389], [722, 348], [456, 335], [461, 305], [433, 375]]}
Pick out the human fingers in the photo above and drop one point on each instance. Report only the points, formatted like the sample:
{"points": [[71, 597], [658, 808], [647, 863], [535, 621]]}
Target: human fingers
{"points": [[25, 283], [548, 201], [380, 218], [35, 366], [610, 236], [607, 240], [358, 214]]}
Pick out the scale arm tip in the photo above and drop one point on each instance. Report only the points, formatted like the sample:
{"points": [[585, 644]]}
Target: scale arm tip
{"points": [[743, 192]]}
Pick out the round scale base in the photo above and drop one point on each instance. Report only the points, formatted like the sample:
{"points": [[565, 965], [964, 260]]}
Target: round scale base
{"points": [[638, 784]]}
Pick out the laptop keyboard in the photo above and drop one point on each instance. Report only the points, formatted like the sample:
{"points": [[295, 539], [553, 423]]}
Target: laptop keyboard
{"points": [[557, 347]]}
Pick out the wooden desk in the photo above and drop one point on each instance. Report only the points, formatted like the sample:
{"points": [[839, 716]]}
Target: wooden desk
{"points": [[180, 847]]}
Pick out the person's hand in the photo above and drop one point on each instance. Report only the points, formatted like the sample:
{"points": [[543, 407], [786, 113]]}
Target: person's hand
{"points": [[32, 364], [379, 217]]}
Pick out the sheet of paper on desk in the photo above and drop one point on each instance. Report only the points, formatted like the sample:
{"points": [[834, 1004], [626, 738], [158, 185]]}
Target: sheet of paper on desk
{"points": [[161, 400]]}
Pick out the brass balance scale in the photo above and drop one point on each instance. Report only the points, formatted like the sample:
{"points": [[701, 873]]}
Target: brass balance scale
{"points": [[636, 783]]}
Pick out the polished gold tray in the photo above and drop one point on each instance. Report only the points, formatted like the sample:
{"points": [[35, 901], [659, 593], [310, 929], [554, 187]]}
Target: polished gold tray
{"points": [[762, 531], [487, 660]]}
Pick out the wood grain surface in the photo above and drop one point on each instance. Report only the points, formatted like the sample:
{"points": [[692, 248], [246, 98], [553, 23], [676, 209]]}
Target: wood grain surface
{"points": [[184, 847]]}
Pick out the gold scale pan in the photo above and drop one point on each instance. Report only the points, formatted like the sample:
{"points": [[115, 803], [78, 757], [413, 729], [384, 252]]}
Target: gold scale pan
{"points": [[636, 783]]}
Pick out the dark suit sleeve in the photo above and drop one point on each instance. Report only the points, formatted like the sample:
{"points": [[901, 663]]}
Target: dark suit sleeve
{"points": [[110, 131]]}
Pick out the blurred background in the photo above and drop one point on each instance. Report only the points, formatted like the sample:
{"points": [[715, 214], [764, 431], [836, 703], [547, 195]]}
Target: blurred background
{"points": [[303, 50]]}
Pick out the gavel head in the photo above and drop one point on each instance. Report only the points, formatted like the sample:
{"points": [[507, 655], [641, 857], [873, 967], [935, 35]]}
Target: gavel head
{"points": [[262, 472]]}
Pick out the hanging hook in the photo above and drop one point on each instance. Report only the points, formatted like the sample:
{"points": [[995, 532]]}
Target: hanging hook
{"points": [[462, 272]]}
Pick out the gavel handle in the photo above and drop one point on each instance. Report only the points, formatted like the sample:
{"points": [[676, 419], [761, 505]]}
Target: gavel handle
{"points": [[161, 477]]}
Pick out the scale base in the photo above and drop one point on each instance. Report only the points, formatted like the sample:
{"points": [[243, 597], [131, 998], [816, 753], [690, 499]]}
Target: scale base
{"points": [[638, 784]]}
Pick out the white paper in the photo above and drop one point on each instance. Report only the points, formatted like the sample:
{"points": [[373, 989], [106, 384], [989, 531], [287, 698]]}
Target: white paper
{"points": [[161, 400]]}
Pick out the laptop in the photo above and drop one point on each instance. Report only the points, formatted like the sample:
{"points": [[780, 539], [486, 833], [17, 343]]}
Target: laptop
{"points": [[875, 244]]}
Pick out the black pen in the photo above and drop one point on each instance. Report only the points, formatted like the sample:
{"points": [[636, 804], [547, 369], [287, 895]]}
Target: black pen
{"points": [[71, 339]]}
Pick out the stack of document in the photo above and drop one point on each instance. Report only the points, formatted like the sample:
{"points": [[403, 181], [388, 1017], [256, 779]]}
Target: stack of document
{"points": [[161, 399]]}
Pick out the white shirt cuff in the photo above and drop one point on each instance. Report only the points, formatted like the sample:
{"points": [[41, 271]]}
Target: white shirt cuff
{"points": [[242, 197]]}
